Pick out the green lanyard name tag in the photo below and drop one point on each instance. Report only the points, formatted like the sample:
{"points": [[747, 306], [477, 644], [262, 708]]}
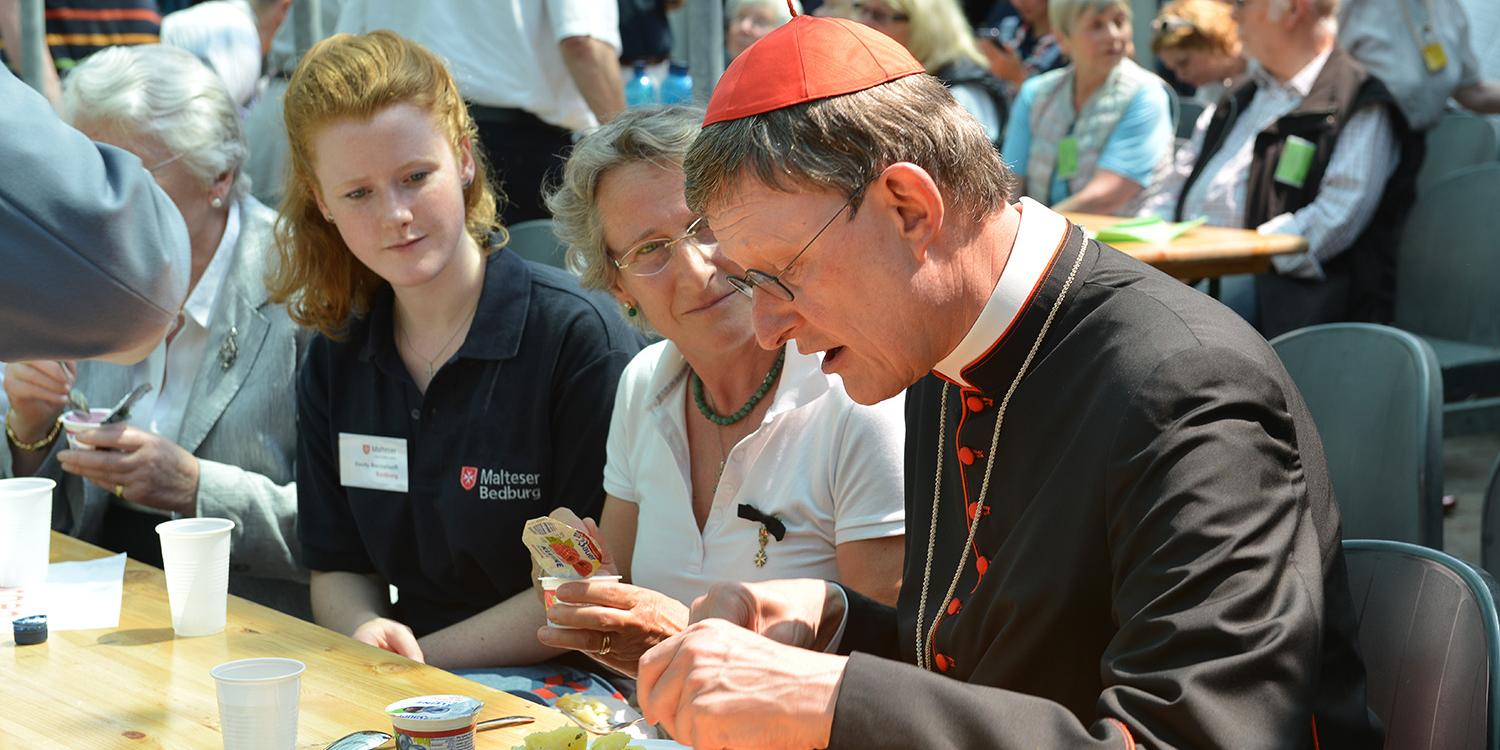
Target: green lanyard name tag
{"points": [[1067, 158], [1296, 160]]}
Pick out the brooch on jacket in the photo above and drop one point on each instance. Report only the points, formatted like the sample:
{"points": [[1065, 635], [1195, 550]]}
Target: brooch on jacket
{"points": [[769, 526], [229, 351]]}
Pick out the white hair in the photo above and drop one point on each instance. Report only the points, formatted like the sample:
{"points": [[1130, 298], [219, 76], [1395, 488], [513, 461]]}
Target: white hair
{"points": [[167, 94]]}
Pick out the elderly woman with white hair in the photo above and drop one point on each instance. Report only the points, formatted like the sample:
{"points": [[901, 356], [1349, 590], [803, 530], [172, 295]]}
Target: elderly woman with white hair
{"points": [[1093, 135], [216, 434], [725, 461], [746, 21]]}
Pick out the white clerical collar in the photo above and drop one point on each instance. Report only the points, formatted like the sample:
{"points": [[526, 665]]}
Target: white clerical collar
{"points": [[1038, 240]]}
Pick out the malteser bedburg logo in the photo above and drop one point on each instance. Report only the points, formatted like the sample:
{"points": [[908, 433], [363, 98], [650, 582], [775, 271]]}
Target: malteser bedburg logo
{"points": [[501, 484], [365, 448]]}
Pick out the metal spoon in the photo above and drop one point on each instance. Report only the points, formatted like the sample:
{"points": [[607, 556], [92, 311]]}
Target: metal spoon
{"points": [[568, 709], [76, 401], [368, 739], [122, 409]]}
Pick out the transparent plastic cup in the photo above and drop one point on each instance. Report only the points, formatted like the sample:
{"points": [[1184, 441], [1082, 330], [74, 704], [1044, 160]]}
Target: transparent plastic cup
{"points": [[258, 703], [73, 425], [195, 553], [549, 592], [25, 530]]}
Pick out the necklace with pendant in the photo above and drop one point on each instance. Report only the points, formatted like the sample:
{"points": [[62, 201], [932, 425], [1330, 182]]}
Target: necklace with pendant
{"points": [[925, 638], [431, 363]]}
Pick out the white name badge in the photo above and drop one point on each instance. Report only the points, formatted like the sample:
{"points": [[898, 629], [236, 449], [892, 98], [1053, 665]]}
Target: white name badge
{"points": [[372, 462]]}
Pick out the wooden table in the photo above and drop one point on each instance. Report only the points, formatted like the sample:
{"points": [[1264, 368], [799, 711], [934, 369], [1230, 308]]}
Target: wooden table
{"points": [[139, 687], [1204, 252]]}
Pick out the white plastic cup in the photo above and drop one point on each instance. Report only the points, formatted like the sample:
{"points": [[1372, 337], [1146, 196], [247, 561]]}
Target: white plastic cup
{"points": [[72, 426], [258, 703], [549, 592], [195, 553], [25, 525]]}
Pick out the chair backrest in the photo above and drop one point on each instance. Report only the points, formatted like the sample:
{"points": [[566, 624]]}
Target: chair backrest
{"points": [[1188, 111], [1489, 533], [1375, 393], [1448, 262], [1431, 644], [1458, 140], [535, 241]]}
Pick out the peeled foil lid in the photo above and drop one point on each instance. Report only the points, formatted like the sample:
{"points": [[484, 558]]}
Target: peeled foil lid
{"points": [[434, 708]]}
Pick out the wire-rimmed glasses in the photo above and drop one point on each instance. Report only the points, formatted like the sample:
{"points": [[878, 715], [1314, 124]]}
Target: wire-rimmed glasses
{"points": [[651, 256], [771, 282]]}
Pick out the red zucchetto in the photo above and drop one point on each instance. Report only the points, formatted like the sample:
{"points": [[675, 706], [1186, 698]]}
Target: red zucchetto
{"points": [[806, 59]]}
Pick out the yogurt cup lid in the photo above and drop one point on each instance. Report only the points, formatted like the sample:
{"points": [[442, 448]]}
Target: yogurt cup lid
{"points": [[433, 712]]}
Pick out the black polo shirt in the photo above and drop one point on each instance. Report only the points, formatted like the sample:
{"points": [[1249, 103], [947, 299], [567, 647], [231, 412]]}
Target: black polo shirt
{"points": [[512, 426]]}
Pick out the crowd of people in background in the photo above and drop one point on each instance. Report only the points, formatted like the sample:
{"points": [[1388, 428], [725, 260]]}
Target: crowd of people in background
{"points": [[345, 215]]}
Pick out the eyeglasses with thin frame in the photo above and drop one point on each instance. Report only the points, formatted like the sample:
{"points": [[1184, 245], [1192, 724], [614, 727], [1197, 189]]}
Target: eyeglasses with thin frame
{"points": [[772, 283], [650, 257]]}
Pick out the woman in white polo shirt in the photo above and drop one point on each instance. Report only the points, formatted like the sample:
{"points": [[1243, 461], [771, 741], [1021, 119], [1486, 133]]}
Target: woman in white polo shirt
{"points": [[726, 462]]}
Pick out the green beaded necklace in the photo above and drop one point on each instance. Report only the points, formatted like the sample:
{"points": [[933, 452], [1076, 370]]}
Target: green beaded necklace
{"points": [[760, 393]]}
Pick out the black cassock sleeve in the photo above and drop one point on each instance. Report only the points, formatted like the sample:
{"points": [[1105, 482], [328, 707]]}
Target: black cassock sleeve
{"points": [[1217, 591]]}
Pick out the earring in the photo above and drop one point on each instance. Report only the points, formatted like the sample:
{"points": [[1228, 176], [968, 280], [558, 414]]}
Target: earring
{"points": [[216, 202], [329, 217], [468, 183], [630, 310]]}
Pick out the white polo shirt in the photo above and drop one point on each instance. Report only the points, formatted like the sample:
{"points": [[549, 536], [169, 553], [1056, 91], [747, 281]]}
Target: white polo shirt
{"points": [[502, 54], [830, 469]]}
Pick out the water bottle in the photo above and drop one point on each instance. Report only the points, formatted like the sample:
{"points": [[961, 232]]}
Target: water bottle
{"points": [[640, 90], [678, 87]]}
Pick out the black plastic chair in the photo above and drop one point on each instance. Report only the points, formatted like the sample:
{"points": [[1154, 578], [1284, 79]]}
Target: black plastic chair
{"points": [[1376, 397], [1431, 644]]}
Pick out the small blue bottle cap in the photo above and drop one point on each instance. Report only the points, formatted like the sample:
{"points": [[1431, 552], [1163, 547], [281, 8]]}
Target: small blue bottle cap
{"points": [[30, 630]]}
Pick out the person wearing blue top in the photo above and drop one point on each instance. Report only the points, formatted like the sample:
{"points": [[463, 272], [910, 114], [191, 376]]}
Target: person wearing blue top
{"points": [[1090, 136]]}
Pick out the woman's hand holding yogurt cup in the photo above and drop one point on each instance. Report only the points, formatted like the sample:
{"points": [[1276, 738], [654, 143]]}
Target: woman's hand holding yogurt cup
{"points": [[38, 394]]}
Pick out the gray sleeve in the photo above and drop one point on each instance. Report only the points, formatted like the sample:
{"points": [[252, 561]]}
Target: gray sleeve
{"points": [[264, 515], [95, 255]]}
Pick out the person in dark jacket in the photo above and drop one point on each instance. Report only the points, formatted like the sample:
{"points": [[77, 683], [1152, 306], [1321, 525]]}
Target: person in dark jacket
{"points": [[1121, 530]]}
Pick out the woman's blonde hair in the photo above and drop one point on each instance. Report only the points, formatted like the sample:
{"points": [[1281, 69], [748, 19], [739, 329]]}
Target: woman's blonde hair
{"points": [[355, 77], [939, 33], [1203, 25]]}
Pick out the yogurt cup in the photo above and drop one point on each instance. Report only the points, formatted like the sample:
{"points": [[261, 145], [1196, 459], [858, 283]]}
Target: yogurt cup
{"points": [[74, 422], [434, 722], [549, 592]]}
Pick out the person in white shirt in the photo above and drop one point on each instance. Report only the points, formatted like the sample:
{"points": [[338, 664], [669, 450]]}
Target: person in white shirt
{"points": [[534, 74], [1309, 144], [232, 37], [1422, 51], [726, 462], [215, 436]]}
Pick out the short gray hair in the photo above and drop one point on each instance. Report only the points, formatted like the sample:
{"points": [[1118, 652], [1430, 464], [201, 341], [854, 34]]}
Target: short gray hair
{"points": [[843, 142], [168, 94], [657, 135], [1062, 13]]}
